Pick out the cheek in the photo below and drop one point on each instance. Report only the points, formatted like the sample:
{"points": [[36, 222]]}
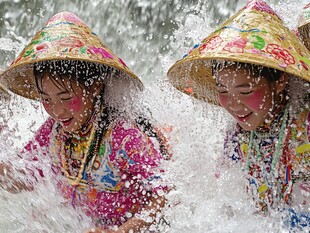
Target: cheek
{"points": [[75, 104], [256, 100], [223, 99], [47, 107]]}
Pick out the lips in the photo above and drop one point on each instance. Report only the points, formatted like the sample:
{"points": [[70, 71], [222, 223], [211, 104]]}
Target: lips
{"points": [[66, 121], [243, 117]]}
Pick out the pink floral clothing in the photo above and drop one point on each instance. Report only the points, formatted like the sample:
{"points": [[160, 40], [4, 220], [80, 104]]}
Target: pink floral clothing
{"points": [[120, 180]]}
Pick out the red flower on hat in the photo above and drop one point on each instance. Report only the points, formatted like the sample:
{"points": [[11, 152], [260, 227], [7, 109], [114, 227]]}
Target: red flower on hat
{"points": [[68, 16], [307, 6], [42, 46], [68, 42], [104, 53], [279, 53], [304, 65], [236, 46], [211, 44], [260, 6], [123, 63]]}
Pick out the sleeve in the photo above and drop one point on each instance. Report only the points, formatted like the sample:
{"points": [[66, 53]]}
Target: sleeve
{"points": [[37, 148], [137, 156]]}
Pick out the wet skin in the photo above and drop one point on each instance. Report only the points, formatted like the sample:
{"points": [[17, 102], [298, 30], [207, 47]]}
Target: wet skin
{"points": [[250, 99], [71, 106]]}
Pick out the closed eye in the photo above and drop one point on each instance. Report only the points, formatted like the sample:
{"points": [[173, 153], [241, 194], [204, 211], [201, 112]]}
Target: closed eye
{"points": [[66, 99], [246, 92]]}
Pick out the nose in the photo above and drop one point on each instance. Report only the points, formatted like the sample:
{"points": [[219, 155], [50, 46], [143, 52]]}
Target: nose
{"points": [[58, 110], [234, 103]]}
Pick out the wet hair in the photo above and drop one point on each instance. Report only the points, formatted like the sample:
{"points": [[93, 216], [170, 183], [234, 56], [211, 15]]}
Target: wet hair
{"points": [[61, 71], [269, 73]]}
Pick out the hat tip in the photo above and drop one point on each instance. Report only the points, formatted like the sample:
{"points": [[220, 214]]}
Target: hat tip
{"points": [[65, 16]]}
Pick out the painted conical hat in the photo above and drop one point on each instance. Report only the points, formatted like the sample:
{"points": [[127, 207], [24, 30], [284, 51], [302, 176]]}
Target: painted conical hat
{"points": [[254, 35], [3, 91], [64, 37], [304, 25]]}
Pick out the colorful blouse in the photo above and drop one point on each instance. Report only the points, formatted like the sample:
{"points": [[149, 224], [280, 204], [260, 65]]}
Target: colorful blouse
{"points": [[116, 181], [276, 160]]}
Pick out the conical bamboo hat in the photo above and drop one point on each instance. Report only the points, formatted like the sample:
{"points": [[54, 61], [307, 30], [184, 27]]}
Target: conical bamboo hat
{"points": [[254, 35], [64, 37]]}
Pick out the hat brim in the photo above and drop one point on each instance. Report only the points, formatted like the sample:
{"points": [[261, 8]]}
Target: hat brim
{"points": [[194, 76], [20, 78], [3, 91], [304, 32]]}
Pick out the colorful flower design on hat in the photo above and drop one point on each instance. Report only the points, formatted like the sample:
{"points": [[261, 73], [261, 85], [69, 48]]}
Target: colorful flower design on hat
{"points": [[261, 6], [64, 37], [254, 35]]}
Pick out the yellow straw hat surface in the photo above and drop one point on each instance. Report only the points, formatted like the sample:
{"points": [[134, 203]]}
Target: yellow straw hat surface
{"points": [[64, 37], [304, 25], [3, 91], [254, 35]]}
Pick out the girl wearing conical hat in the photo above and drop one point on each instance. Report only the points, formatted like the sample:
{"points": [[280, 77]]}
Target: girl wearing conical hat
{"points": [[105, 162], [304, 25], [258, 71]]}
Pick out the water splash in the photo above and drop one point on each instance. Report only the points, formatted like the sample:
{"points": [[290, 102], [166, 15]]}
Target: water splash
{"points": [[138, 31]]}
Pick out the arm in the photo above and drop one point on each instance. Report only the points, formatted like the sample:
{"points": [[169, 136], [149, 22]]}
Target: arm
{"points": [[135, 224], [138, 159], [9, 181], [143, 161]]}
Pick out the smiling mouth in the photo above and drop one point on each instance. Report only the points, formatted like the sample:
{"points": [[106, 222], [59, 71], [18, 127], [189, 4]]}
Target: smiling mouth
{"points": [[243, 118], [66, 121]]}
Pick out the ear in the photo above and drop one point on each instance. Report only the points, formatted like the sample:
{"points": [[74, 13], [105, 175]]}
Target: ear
{"points": [[281, 83]]}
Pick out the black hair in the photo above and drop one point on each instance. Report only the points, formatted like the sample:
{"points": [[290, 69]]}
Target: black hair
{"points": [[269, 73], [59, 71]]}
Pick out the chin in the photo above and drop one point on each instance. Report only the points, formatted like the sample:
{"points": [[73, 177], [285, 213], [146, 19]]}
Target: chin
{"points": [[247, 127], [70, 129]]}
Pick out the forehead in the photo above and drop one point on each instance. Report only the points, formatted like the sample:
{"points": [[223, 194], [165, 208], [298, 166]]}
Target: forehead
{"points": [[237, 75], [53, 84]]}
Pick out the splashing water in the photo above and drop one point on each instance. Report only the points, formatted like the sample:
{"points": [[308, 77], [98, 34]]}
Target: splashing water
{"points": [[200, 201]]}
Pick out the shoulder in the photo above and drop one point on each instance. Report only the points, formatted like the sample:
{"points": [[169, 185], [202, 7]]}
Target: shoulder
{"points": [[128, 141], [42, 136], [122, 129]]}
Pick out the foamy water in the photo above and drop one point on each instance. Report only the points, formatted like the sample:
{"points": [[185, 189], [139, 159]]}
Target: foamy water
{"points": [[199, 201]]}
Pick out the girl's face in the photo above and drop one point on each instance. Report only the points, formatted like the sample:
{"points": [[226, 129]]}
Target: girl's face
{"points": [[70, 105], [248, 98]]}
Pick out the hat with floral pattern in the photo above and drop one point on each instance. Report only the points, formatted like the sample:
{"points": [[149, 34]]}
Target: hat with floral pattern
{"points": [[64, 37], [304, 25], [254, 35]]}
